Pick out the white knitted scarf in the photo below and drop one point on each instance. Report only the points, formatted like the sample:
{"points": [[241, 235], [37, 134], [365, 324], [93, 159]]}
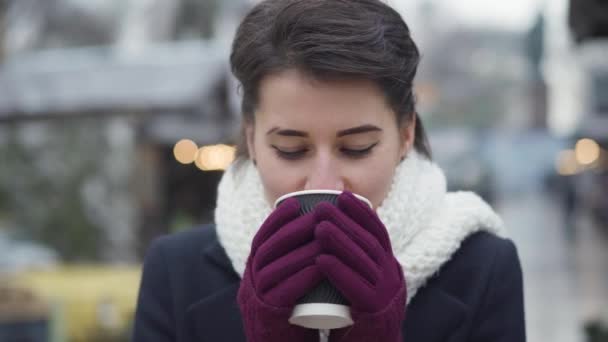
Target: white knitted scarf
{"points": [[425, 223]]}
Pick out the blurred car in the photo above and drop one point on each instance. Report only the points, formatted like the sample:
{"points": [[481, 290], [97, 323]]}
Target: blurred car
{"points": [[596, 193], [458, 151], [584, 187], [23, 315], [523, 161], [17, 255], [599, 199], [89, 302], [86, 302]]}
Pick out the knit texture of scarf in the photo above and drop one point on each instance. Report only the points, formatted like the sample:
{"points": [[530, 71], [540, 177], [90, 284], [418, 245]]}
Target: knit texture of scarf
{"points": [[426, 224]]}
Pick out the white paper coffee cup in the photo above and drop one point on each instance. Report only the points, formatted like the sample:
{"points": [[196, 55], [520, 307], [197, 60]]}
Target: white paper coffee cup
{"points": [[325, 307]]}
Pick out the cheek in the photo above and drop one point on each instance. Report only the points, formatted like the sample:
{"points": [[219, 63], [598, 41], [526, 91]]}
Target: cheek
{"points": [[373, 182], [277, 184], [373, 179]]}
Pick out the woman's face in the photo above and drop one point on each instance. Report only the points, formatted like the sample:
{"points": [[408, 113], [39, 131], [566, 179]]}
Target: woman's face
{"points": [[338, 135]]}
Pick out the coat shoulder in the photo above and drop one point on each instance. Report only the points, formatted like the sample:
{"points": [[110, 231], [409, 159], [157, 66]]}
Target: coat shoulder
{"points": [[185, 243], [476, 296], [193, 261], [179, 270], [480, 257], [481, 246]]}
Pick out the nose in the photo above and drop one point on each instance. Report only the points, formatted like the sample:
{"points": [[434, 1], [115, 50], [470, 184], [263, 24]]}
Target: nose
{"points": [[324, 175]]}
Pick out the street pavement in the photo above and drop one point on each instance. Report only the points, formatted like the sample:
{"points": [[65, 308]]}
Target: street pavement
{"points": [[565, 266]]}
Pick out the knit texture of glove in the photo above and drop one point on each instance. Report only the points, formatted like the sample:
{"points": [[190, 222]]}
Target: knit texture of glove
{"points": [[358, 260], [280, 269]]}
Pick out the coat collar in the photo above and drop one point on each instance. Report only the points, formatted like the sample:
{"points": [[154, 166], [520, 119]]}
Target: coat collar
{"points": [[434, 315], [217, 317], [217, 254]]}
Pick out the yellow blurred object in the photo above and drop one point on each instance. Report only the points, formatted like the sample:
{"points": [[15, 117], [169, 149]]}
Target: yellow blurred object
{"points": [[587, 151], [18, 304], [566, 163], [215, 157], [185, 151], [93, 297]]}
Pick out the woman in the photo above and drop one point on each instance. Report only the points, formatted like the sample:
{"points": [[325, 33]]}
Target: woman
{"points": [[328, 104]]}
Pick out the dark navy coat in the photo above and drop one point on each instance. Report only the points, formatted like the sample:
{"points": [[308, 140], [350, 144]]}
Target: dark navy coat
{"points": [[188, 293]]}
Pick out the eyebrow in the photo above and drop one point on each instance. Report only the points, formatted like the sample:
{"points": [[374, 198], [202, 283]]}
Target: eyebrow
{"points": [[350, 131]]}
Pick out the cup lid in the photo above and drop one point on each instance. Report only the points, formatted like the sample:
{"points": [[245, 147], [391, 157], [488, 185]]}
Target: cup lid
{"points": [[317, 192]]}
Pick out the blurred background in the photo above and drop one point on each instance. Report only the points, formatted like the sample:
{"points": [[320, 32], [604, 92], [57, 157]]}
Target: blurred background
{"points": [[117, 118]]}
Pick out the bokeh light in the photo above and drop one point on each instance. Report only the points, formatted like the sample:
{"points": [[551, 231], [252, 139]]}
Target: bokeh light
{"points": [[185, 151], [566, 163], [215, 157], [587, 151]]}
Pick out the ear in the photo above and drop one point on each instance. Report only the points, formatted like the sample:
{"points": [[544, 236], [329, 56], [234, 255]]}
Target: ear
{"points": [[249, 134], [408, 134]]}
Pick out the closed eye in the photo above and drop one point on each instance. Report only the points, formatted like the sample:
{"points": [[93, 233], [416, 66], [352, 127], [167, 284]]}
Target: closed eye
{"points": [[349, 152], [290, 155], [358, 153]]}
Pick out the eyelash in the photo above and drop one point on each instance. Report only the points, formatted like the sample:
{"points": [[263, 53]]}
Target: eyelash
{"points": [[355, 154]]}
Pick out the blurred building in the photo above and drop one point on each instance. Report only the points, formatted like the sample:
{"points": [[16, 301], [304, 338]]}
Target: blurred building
{"points": [[143, 74], [468, 76], [477, 76], [575, 65], [588, 21], [535, 49]]}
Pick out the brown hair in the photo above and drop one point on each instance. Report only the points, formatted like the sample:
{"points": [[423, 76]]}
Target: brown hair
{"points": [[328, 39]]}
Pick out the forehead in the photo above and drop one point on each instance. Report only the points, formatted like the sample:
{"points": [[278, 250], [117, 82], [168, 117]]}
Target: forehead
{"points": [[291, 98]]}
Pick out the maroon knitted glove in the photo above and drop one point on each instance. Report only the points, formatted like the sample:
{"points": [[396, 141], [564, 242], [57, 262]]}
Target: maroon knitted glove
{"points": [[358, 260], [280, 269]]}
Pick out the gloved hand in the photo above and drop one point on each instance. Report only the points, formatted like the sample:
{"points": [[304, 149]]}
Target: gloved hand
{"points": [[358, 260], [280, 269]]}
